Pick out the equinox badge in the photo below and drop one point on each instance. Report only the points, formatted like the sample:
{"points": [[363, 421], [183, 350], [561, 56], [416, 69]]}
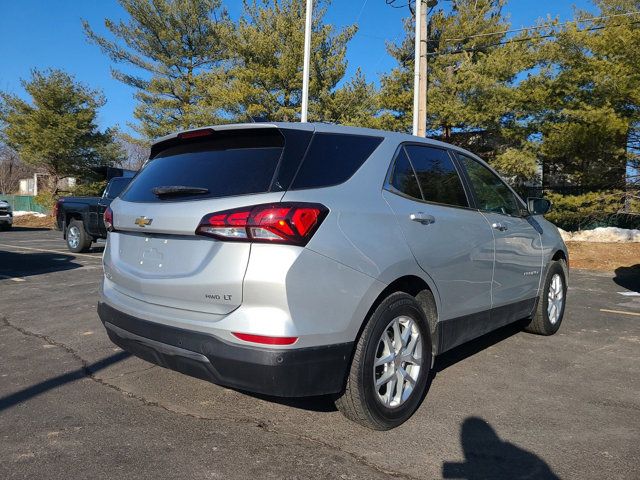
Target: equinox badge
{"points": [[143, 221]]}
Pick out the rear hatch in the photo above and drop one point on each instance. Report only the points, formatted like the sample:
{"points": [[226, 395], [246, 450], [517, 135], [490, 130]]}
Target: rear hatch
{"points": [[153, 254]]}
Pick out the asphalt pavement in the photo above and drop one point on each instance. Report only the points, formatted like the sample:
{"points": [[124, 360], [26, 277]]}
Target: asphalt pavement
{"points": [[509, 405]]}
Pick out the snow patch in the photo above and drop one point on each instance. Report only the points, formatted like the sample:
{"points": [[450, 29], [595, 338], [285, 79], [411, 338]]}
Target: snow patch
{"points": [[22, 213], [602, 234]]}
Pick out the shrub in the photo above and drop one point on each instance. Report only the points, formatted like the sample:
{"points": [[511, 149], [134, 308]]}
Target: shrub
{"points": [[591, 210], [46, 200]]}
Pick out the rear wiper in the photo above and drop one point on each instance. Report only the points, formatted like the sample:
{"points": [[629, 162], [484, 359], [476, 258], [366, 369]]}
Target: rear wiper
{"points": [[168, 190]]}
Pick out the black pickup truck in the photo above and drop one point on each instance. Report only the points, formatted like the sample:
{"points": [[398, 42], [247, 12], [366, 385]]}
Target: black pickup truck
{"points": [[80, 218]]}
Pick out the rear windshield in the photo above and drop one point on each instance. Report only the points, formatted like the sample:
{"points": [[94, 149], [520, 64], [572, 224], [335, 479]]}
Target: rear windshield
{"points": [[237, 163]]}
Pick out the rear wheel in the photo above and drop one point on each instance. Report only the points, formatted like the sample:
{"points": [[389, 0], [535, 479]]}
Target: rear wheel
{"points": [[390, 366], [550, 309], [78, 240]]}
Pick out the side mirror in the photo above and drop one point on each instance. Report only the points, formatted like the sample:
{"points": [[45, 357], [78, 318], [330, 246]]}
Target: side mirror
{"points": [[538, 206]]}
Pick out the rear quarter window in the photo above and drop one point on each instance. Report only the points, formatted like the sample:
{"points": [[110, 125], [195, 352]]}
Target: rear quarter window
{"points": [[333, 158]]}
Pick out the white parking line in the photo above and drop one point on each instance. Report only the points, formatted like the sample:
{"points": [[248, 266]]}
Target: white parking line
{"points": [[99, 258], [14, 279], [635, 314]]}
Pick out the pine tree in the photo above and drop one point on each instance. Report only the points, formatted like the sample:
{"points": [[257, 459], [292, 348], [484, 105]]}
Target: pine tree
{"points": [[584, 104], [171, 44], [266, 78], [472, 77], [57, 130]]}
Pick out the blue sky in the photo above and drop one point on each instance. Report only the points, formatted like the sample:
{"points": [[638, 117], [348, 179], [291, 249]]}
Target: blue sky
{"points": [[48, 33]]}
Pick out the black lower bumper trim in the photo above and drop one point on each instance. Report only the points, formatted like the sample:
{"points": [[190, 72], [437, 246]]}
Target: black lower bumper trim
{"points": [[283, 373]]}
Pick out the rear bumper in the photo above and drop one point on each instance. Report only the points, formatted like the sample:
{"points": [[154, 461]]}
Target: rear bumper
{"points": [[278, 372]]}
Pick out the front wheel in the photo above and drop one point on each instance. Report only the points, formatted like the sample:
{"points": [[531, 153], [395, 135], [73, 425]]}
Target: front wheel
{"points": [[550, 310], [78, 240], [390, 366]]}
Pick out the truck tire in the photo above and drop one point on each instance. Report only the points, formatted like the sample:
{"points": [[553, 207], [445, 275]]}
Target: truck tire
{"points": [[78, 240], [395, 345]]}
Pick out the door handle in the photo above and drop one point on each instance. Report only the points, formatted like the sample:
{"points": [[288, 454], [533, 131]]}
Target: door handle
{"points": [[500, 226], [422, 218]]}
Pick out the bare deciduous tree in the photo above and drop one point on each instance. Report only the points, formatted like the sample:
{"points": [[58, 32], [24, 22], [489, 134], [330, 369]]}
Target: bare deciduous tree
{"points": [[136, 151], [11, 170]]}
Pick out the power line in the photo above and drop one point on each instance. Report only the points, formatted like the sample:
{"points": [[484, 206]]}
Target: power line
{"points": [[364, 4], [538, 27], [524, 39]]}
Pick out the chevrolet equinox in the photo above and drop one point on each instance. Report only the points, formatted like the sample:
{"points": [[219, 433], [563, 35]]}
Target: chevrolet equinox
{"points": [[309, 259]]}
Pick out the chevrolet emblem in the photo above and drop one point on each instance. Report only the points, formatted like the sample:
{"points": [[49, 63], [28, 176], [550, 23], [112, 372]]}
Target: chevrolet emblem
{"points": [[143, 221]]}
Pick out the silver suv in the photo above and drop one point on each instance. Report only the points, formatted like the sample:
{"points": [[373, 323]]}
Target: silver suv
{"points": [[308, 259]]}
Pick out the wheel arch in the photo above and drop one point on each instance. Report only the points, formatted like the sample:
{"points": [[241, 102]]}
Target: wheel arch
{"points": [[417, 287]]}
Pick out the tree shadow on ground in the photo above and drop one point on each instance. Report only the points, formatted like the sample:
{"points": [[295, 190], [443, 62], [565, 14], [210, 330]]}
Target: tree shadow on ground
{"points": [[488, 456], [628, 277], [55, 382], [16, 228], [15, 264]]}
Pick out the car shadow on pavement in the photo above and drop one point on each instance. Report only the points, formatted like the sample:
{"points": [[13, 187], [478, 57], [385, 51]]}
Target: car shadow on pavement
{"points": [[321, 403], [628, 277], [472, 347], [55, 382], [14, 264], [488, 456], [326, 403]]}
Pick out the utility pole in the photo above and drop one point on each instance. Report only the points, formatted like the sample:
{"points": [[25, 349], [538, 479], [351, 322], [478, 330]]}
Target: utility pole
{"points": [[420, 68], [416, 68], [307, 55], [422, 88]]}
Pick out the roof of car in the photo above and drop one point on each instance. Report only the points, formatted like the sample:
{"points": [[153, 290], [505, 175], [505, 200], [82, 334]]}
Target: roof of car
{"points": [[398, 137], [319, 127]]}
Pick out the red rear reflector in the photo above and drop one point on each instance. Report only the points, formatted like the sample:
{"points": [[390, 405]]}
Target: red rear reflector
{"points": [[247, 337], [196, 133], [288, 223]]}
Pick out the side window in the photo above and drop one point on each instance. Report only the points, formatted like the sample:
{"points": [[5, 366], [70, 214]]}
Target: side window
{"points": [[437, 176], [403, 177], [491, 192], [333, 158]]}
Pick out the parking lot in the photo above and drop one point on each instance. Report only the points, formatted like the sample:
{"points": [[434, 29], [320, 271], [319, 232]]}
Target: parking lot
{"points": [[509, 405]]}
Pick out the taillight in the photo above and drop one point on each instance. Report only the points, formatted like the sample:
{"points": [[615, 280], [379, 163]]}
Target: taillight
{"points": [[108, 219], [289, 223]]}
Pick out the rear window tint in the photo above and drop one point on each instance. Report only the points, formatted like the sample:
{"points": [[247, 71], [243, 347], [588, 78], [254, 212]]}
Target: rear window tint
{"points": [[439, 180], [333, 158], [403, 178], [237, 164]]}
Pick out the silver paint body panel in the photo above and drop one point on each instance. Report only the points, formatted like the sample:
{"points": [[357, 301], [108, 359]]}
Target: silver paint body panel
{"points": [[322, 292]]}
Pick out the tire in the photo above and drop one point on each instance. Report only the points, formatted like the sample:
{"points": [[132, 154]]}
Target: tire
{"points": [[546, 320], [5, 226], [374, 407], [78, 240]]}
